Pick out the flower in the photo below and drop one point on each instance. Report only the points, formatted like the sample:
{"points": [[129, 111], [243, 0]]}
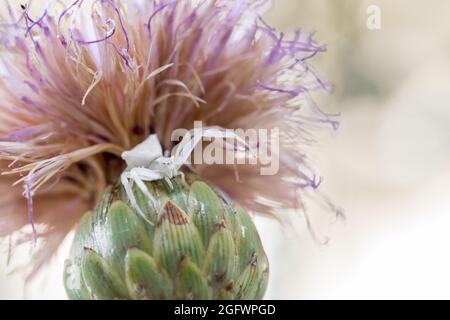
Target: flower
{"points": [[83, 82]]}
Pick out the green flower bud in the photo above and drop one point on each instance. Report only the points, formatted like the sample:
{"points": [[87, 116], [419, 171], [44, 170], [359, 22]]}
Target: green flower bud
{"points": [[199, 245]]}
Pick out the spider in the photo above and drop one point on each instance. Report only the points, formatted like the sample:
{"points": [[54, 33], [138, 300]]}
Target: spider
{"points": [[146, 161]]}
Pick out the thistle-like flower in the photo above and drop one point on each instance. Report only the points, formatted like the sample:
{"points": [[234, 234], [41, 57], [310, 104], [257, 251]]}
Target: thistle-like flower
{"points": [[82, 83]]}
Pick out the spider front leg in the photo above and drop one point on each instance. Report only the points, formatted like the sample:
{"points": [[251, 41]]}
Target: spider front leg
{"points": [[139, 175], [187, 145], [125, 180], [178, 173]]}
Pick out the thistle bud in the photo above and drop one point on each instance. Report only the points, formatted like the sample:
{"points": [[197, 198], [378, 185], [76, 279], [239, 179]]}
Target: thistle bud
{"points": [[83, 83], [195, 244]]}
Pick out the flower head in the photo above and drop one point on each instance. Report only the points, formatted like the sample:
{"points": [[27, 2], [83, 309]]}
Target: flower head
{"points": [[83, 82]]}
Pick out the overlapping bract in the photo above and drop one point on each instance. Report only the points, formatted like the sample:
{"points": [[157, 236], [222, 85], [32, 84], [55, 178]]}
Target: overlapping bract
{"points": [[200, 246]]}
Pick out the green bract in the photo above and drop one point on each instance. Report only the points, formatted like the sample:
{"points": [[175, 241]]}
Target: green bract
{"points": [[199, 246]]}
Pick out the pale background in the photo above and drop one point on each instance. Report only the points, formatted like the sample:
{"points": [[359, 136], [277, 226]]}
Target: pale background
{"points": [[388, 166]]}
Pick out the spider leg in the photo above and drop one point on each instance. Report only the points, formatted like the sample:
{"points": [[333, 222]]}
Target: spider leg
{"points": [[146, 174], [188, 145], [180, 147], [124, 178], [142, 174], [217, 132], [169, 182]]}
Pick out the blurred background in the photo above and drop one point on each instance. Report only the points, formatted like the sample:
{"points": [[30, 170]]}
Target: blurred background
{"points": [[388, 166]]}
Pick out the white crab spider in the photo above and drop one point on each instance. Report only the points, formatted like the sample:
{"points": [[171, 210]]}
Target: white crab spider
{"points": [[146, 161]]}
